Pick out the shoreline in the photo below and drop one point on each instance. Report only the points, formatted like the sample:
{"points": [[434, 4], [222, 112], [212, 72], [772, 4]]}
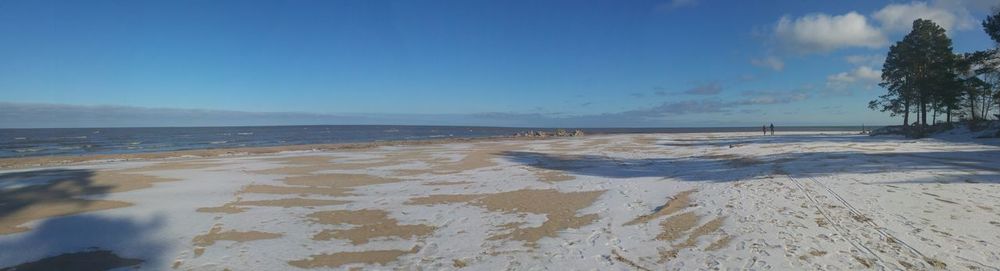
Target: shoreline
{"points": [[64, 160]]}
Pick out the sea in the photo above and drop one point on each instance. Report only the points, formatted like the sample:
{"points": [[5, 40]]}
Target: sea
{"points": [[89, 141]]}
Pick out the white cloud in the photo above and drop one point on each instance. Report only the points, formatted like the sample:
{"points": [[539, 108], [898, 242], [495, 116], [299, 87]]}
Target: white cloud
{"points": [[859, 74], [823, 33], [771, 62], [771, 97], [863, 76], [865, 60], [840, 78], [949, 15], [867, 74], [676, 4]]}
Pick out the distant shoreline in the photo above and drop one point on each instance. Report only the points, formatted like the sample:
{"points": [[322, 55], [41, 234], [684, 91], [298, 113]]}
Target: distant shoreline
{"points": [[21, 143], [63, 160], [47, 161], [794, 127]]}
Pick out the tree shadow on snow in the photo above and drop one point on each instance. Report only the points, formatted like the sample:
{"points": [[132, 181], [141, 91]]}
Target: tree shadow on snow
{"points": [[21, 190], [65, 239], [84, 242], [978, 165], [832, 138]]}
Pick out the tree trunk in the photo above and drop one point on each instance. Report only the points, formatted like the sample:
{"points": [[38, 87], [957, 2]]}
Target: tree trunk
{"points": [[923, 113], [948, 113], [983, 108], [906, 115], [972, 106]]}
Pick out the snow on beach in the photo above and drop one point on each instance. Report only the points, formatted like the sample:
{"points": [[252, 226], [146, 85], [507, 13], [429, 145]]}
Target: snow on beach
{"points": [[823, 201]]}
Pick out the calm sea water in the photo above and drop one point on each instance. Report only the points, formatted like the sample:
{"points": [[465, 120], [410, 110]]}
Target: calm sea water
{"points": [[84, 141]]}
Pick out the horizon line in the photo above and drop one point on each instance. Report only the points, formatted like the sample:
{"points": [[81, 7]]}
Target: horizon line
{"points": [[449, 126]]}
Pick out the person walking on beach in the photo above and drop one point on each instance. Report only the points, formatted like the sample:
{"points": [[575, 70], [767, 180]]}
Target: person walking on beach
{"points": [[772, 128], [764, 128]]}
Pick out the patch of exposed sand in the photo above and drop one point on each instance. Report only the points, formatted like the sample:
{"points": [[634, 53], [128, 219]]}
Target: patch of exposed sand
{"points": [[362, 234], [703, 230], [334, 184], [339, 180], [618, 257], [290, 202], [678, 202], [61, 194], [720, 243], [644, 140], [637, 144], [304, 165], [297, 165], [442, 199], [481, 157], [236, 206], [675, 226], [551, 176], [11, 223], [296, 190], [444, 183], [561, 146], [228, 208], [172, 165], [344, 258], [122, 182], [216, 234], [371, 224], [559, 209], [598, 142]]}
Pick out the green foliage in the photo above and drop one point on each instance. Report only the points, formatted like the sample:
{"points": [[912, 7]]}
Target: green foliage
{"points": [[919, 73], [992, 26]]}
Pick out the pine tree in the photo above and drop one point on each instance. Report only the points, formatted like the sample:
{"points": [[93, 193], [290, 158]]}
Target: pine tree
{"points": [[920, 71], [894, 80], [992, 26], [988, 65]]}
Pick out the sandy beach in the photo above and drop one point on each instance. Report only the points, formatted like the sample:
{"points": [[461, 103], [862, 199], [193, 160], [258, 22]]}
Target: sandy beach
{"points": [[794, 201]]}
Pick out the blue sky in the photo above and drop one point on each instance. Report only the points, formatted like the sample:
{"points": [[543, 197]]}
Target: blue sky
{"points": [[509, 63]]}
